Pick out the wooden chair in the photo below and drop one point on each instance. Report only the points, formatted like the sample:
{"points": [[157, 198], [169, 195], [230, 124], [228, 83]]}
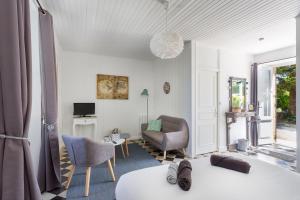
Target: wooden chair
{"points": [[84, 152]]}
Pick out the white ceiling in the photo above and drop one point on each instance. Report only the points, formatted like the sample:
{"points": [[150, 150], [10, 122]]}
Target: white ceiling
{"points": [[276, 36], [124, 27]]}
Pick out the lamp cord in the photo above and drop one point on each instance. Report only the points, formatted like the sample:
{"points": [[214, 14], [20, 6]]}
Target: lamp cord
{"points": [[167, 9]]}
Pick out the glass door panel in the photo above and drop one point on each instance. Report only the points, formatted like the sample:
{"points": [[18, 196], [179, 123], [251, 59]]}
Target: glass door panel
{"points": [[266, 104]]}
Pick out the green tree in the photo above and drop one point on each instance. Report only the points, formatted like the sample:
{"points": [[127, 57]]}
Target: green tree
{"points": [[286, 91]]}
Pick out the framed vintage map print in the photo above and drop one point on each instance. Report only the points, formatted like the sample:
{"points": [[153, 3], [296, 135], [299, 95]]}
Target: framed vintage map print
{"points": [[112, 87]]}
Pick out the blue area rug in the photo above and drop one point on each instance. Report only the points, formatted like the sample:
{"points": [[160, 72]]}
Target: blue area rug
{"points": [[101, 185]]}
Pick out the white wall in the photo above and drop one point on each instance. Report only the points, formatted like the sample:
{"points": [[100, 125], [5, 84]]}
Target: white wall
{"points": [[59, 64], [298, 90], [35, 121], [77, 78], [177, 72], [78, 84], [278, 54], [227, 63], [234, 64]]}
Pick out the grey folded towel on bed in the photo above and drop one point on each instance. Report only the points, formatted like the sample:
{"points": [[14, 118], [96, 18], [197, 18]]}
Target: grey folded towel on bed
{"points": [[184, 178], [172, 173], [230, 162]]}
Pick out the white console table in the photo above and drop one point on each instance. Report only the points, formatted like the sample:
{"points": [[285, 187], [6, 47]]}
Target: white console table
{"points": [[85, 121]]}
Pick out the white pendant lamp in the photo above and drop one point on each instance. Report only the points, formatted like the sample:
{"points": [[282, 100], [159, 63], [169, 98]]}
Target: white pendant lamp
{"points": [[167, 44]]}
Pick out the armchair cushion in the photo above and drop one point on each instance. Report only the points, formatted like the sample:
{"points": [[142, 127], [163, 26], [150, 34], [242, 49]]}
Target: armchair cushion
{"points": [[156, 136]]}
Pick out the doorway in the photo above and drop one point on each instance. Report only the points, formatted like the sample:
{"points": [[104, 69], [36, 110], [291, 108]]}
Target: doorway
{"points": [[277, 103], [276, 83], [286, 105]]}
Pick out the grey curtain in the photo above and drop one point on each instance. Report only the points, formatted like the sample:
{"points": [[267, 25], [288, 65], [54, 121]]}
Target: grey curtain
{"points": [[49, 168], [254, 102], [17, 179]]}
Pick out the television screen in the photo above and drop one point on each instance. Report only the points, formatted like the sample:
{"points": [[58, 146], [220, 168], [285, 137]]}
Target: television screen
{"points": [[84, 109]]}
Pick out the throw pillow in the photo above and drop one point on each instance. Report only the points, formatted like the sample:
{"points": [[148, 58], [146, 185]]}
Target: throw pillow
{"points": [[154, 125]]}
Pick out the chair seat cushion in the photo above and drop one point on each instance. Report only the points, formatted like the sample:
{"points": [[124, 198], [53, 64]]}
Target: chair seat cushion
{"points": [[156, 136]]}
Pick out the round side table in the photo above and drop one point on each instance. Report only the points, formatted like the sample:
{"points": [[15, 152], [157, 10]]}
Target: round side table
{"points": [[117, 143]]}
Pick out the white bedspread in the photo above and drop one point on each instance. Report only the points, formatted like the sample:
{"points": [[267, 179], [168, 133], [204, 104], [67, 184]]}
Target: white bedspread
{"points": [[264, 182]]}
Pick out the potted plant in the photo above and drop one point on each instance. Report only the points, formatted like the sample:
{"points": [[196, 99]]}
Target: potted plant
{"points": [[236, 104], [115, 135]]}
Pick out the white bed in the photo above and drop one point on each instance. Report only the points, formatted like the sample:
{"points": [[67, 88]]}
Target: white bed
{"points": [[264, 182]]}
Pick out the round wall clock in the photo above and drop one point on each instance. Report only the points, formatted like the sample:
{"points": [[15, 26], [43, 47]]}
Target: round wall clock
{"points": [[167, 87]]}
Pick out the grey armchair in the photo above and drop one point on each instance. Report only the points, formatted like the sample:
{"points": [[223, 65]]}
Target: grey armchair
{"points": [[173, 135], [84, 152]]}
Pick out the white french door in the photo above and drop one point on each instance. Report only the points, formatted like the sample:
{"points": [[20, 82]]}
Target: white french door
{"points": [[206, 111], [265, 94]]}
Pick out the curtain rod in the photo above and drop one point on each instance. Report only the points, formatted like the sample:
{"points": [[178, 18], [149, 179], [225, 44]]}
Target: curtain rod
{"points": [[40, 6]]}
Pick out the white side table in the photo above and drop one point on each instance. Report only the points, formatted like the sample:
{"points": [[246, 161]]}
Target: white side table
{"points": [[85, 121], [125, 136], [117, 143]]}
